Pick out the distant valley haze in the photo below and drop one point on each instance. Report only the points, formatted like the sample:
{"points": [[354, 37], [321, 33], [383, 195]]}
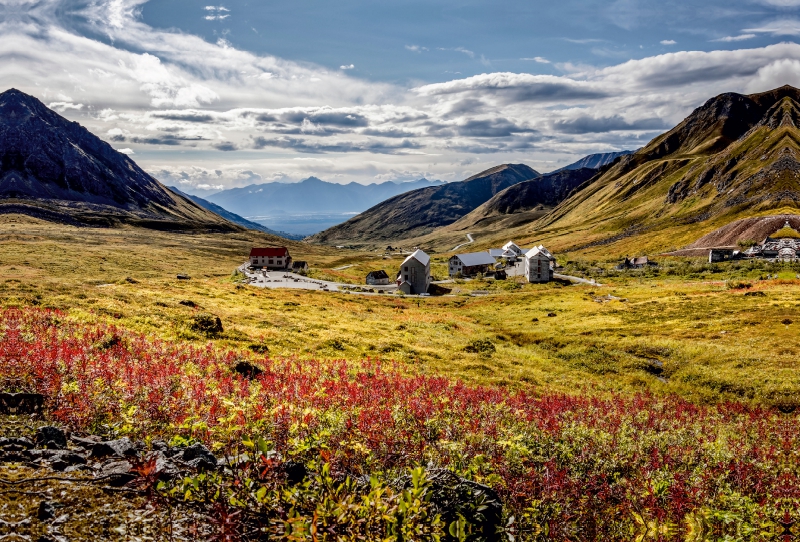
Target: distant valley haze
{"points": [[209, 97]]}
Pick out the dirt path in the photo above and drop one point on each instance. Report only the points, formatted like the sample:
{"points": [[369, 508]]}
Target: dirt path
{"points": [[471, 240]]}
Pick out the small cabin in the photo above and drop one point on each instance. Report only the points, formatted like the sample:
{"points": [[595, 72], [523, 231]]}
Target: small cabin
{"points": [[377, 278], [636, 263], [721, 255], [414, 275], [270, 258], [470, 264], [299, 265]]}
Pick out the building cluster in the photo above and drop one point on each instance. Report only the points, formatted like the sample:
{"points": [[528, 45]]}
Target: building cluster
{"points": [[414, 274], [781, 246]]}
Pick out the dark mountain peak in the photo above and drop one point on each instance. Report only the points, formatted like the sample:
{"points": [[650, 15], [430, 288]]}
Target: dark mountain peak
{"points": [[518, 171], [55, 168]]}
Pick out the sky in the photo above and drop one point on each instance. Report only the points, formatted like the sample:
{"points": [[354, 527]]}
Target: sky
{"points": [[207, 96]]}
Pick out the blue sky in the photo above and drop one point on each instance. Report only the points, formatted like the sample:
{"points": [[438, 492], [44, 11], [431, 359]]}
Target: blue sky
{"points": [[213, 95], [436, 40]]}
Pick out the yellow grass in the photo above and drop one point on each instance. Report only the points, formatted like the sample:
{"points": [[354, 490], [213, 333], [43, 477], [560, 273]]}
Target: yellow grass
{"points": [[697, 338]]}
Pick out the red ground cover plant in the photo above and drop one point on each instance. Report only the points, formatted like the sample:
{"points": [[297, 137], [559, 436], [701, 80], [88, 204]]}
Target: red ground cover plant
{"points": [[642, 461]]}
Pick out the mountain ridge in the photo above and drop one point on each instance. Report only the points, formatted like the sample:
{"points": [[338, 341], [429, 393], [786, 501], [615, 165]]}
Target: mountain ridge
{"points": [[735, 156], [311, 195], [56, 169], [233, 217], [421, 211]]}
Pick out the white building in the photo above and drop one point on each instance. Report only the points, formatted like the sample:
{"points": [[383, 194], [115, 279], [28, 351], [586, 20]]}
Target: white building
{"points": [[415, 273], [470, 264], [538, 265], [511, 246]]}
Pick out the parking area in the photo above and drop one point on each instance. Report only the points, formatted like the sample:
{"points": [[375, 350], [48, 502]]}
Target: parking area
{"points": [[286, 279]]}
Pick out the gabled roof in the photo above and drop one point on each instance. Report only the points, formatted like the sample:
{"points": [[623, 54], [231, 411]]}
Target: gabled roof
{"points": [[511, 245], [476, 258], [642, 260], [378, 274], [420, 256], [545, 252], [501, 253], [536, 252], [269, 252]]}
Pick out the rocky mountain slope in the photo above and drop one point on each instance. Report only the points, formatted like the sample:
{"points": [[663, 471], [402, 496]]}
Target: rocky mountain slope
{"points": [[526, 200], [311, 195], [57, 170], [233, 217], [735, 156], [595, 161], [421, 211]]}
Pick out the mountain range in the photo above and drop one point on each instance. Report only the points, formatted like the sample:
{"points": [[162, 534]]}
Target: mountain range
{"points": [[55, 169], [420, 211], [233, 217], [311, 195], [512, 188]]}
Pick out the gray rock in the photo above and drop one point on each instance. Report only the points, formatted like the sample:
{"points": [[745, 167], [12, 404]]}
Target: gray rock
{"points": [[453, 496], [46, 511], [120, 448], [202, 464], [51, 437], [197, 451], [116, 473]]}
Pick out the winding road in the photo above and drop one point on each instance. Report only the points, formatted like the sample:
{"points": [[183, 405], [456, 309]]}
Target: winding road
{"points": [[471, 240]]}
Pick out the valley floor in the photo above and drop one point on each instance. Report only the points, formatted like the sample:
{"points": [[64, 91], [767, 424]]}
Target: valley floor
{"points": [[694, 336]]}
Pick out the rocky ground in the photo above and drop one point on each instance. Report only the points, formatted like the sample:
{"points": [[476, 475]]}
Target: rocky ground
{"points": [[56, 486]]}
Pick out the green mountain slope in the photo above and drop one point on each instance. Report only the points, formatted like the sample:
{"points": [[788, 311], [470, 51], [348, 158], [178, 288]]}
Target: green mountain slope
{"points": [[420, 211], [734, 157]]}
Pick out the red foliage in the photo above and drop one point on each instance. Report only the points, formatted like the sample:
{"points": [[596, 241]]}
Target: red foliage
{"points": [[550, 455]]}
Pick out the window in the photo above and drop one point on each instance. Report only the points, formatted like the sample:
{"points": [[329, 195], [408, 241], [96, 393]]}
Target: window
{"points": [[405, 268]]}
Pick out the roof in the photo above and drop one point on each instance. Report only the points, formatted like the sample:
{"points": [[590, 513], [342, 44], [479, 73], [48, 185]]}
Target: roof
{"points": [[270, 252], [510, 246], [501, 253], [476, 258], [640, 260], [420, 256], [545, 252], [536, 251], [378, 274], [299, 263]]}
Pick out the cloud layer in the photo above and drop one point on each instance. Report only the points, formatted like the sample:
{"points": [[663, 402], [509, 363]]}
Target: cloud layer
{"points": [[208, 115]]}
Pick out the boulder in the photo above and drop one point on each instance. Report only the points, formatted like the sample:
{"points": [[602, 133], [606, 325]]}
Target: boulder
{"points": [[116, 473], [50, 436], [199, 457], [120, 448], [453, 496]]}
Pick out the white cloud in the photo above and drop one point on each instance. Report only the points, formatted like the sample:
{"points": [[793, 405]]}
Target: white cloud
{"points": [[126, 151], [786, 26], [740, 37], [347, 67], [782, 3], [61, 107], [186, 101], [467, 52], [668, 42]]}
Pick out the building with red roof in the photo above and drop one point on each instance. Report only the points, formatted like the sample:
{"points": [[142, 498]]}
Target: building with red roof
{"points": [[271, 258]]}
